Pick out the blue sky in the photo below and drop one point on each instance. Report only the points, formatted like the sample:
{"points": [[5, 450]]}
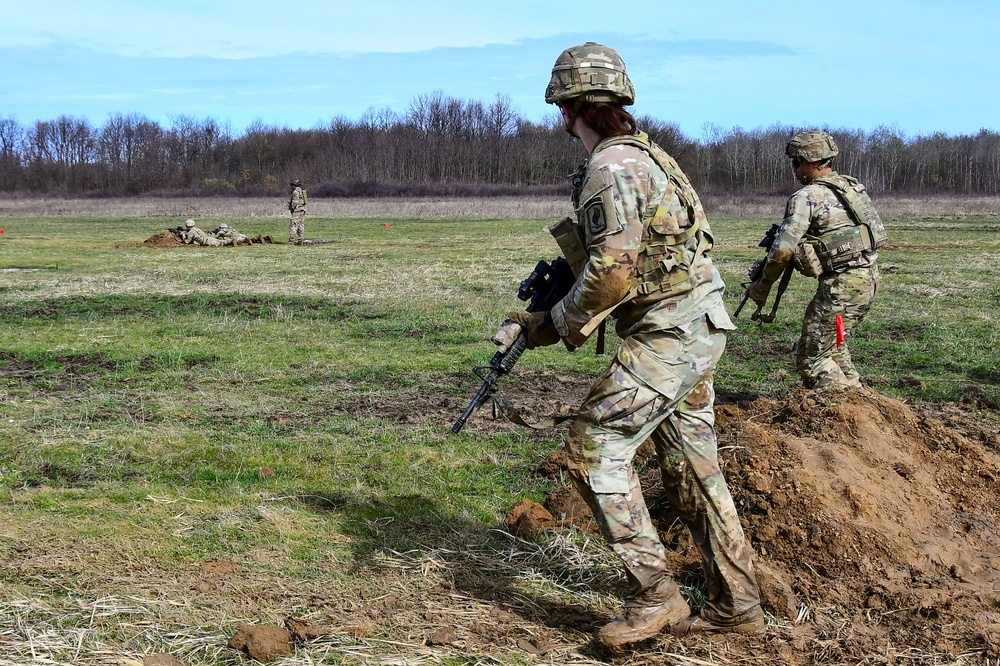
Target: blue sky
{"points": [[921, 66]]}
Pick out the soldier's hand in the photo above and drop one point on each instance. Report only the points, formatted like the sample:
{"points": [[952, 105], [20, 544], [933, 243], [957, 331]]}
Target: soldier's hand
{"points": [[758, 291], [541, 331]]}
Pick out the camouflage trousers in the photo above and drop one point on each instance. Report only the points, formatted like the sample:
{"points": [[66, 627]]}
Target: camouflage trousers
{"points": [[849, 294], [660, 387], [297, 227]]}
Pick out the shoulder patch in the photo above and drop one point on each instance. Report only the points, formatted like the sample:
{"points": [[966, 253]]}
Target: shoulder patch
{"points": [[596, 220]]}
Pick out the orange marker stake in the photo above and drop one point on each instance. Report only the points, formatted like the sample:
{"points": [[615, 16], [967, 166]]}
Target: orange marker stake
{"points": [[840, 331]]}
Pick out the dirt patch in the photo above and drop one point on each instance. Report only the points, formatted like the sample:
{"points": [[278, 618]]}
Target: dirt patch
{"points": [[261, 642], [535, 394], [874, 524]]}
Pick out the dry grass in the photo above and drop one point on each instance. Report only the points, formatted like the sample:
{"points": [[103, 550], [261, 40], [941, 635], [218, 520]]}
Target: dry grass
{"points": [[889, 206], [219, 207], [721, 207]]}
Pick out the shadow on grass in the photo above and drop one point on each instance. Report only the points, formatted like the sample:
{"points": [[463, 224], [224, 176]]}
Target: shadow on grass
{"points": [[424, 525]]}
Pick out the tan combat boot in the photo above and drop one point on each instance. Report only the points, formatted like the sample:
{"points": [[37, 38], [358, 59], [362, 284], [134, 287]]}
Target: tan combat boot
{"points": [[707, 622], [645, 616]]}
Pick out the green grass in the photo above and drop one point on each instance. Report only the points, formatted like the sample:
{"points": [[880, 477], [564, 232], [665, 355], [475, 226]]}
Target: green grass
{"points": [[288, 408]]}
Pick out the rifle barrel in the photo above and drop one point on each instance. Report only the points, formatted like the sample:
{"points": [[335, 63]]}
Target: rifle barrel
{"points": [[476, 401]]}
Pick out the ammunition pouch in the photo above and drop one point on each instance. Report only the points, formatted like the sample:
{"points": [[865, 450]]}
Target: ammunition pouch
{"points": [[835, 249], [666, 264], [568, 236]]}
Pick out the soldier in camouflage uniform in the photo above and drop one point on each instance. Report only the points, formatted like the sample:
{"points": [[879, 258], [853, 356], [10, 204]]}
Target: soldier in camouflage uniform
{"points": [[194, 236], [297, 207], [831, 231], [231, 236], [647, 265]]}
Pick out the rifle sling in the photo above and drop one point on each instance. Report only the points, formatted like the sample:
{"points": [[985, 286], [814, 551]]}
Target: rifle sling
{"points": [[786, 276], [502, 406]]}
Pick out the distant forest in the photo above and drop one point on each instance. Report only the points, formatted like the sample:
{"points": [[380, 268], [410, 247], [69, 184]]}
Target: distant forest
{"points": [[446, 146]]}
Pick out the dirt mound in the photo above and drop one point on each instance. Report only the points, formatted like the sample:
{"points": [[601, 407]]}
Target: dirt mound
{"points": [[873, 524], [855, 501], [163, 239]]}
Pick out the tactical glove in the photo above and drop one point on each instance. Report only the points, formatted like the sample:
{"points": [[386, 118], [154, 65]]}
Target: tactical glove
{"points": [[758, 291], [541, 331]]}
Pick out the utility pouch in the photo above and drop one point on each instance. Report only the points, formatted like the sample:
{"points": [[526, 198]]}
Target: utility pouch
{"points": [[570, 241], [806, 257]]}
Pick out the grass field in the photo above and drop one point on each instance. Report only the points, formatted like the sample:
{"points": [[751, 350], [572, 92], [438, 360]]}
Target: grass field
{"points": [[195, 439]]}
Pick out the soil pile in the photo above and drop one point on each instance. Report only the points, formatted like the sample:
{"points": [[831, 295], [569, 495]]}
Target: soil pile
{"points": [[163, 239], [875, 528]]}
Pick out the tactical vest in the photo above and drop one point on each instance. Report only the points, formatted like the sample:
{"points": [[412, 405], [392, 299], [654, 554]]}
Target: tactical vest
{"points": [[665, 265], [839, 247]]}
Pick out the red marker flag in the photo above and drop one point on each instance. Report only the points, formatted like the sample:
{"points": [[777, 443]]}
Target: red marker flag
{"points": [[840, 331], [388, 226]]}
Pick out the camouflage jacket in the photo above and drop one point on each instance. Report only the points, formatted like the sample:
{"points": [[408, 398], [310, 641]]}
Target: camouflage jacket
{"points": [[297, 201], [229, 234], [620, 197], [813, 210], [197, 236]]}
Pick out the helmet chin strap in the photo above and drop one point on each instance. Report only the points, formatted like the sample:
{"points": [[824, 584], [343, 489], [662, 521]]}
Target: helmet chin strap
{"points": [[569, 118], [812, 175]]}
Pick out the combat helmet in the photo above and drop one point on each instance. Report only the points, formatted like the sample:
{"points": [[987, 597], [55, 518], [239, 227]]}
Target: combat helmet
{"points": [[812, 146], [592, 71], [223, 225], [296, 183], [189, 223]]}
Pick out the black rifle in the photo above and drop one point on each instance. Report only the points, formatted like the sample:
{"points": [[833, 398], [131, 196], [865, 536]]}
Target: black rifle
{"points": [[545, 287], [754, 274]]}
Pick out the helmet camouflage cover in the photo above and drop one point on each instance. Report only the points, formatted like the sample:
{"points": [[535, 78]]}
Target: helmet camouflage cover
{"points": [[812, 146], [592, 71], [296, 183], [189, 223]]}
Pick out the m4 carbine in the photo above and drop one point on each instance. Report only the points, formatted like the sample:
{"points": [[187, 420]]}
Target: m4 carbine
{"points": [[756, 271], [547, 284]]}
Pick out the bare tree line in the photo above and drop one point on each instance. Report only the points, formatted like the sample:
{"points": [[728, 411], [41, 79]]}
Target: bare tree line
{"points": [[442, 144]]}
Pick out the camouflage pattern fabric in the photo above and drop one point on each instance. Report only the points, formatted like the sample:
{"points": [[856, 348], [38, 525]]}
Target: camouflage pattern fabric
{"points": [[231, 235], [658, 386], [590, 71], [297, 207], [812, 146], [847, 291], [621, 192], [297, 228], [196, 236]]}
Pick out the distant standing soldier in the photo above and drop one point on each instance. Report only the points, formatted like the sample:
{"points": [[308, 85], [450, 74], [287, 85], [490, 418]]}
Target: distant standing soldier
{"points": [[831, 231], [646, 265], [195, 236], [297, 207]]}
